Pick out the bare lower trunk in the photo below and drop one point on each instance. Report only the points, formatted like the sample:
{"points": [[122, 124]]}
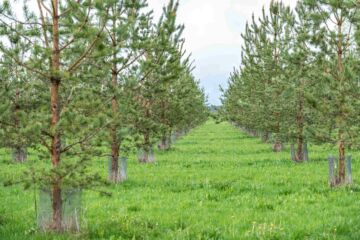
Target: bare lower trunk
{"points": [[162, 144], [341, 176], [147, 155], [19, 154], [55, 158], [278, 146], [300, 152], [114, 171], [165, 143], [56, 208], [265, 137], [292, 152]]}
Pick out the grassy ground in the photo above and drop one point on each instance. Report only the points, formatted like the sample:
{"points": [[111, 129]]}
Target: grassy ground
{"points": [[216, 183]]}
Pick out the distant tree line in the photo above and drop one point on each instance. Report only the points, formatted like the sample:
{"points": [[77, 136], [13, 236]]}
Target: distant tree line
{"points": [[299, 78]]}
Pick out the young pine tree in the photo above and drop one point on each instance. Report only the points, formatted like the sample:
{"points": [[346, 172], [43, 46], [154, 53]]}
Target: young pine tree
{"points": [[336, 96], [61, 37]]}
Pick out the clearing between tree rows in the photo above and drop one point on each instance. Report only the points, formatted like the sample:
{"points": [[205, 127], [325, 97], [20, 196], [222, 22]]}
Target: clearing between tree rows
{"points": [[216, 183]]}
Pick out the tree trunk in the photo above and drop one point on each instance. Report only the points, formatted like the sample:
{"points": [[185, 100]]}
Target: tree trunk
{"points": [[147, 154], [300, 124], [278, 147], [341, 177], [292, 152], [115, 145], [265, 137], [55, 117], [300, 152], [162, 144], [19, 154], [55, 158], [114, 171], [340, 68], [56, 208], [165, 143]]}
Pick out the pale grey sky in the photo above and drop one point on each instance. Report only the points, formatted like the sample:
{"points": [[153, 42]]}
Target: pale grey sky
{"points": [[212, 33]]}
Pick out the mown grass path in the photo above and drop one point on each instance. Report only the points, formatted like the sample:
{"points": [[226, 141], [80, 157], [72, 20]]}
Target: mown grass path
{"points": [[216, 183]]}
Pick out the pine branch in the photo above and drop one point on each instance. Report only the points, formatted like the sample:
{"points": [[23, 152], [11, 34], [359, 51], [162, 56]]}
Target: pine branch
{"points": [[45, 7], [66, 45], [87, 51], [68, 10], [43, 25], [14, 30], [44, 143], [85, 139], [127, 64], [32, 69]]}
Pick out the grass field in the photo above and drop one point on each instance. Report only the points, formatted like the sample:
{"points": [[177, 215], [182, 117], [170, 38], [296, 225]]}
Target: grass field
{"points": [[216, 183]]}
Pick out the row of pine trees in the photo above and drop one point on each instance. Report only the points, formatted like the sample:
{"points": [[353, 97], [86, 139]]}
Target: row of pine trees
{"points": [[87, 79], [299, 80]]}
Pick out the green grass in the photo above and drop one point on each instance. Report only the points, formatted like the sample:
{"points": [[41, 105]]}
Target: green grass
{"points": [[216, 183]]}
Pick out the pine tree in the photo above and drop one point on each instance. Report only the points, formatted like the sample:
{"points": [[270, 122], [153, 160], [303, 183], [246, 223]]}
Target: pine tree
{"points": [[155, 73], [62, 36], [336, 102], [126, 33], [300, 63], [259, 85], [14, 85]]}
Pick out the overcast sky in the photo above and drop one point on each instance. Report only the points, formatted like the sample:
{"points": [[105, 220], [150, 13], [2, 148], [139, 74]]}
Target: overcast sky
{"points": [[212, 33]]}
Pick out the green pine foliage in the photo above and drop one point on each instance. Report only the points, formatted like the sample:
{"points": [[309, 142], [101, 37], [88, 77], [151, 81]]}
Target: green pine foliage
{"points": [[298, 78], [80, 75]]}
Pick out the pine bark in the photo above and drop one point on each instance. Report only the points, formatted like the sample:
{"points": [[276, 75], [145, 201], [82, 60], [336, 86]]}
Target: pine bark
{"points": [[299, 157], [19, 152], [278, 146], [115, 144], [55, 117], [341, 139]]}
